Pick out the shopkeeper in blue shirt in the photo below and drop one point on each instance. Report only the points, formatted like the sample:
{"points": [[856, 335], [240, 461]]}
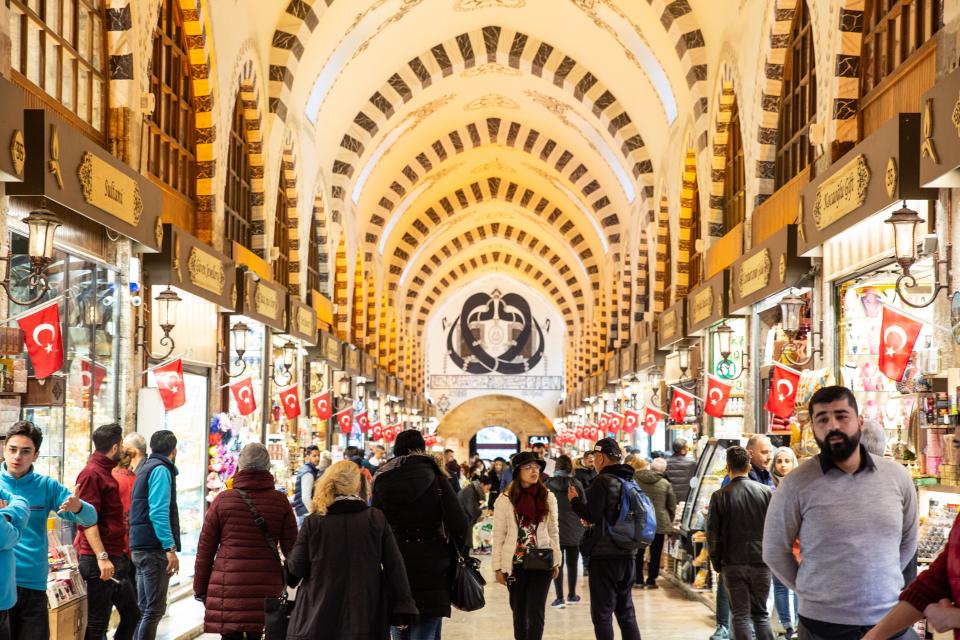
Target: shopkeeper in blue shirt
{"points": [[761, 452]]}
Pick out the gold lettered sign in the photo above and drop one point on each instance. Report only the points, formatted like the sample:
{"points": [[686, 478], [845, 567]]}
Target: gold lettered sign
{"points": [[353, 359], [331, 348], [18, 152], [669, 325], [110, 190], [841, 193], [206, 271], [266, 302], [754, 274], [646, 352], [306, 321], [702, 305]]}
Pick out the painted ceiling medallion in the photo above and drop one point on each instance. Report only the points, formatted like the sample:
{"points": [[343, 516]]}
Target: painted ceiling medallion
{"points": [[489, 68], [496, 167], [492, 101], [473, 5]]}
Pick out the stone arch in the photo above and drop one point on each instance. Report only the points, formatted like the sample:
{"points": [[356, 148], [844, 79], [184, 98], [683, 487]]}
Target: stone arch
{"points": [[319, 233], [686, 243], [661, 293], [341, 290], [517, 415], [288, 183], [725, 101]]}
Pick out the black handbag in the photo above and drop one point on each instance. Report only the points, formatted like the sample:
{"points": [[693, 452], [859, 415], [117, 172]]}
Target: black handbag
{"points": [[466, 585], [276, 611]]}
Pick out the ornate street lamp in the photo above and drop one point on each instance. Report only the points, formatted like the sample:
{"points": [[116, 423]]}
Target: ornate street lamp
{"points": [[726, 366], [167, 302], [791, 307], [905, 222], [238, 337], [42, 228], [289, 354]]}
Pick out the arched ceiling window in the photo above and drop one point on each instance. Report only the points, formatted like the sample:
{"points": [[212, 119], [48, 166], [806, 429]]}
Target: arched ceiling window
{"points": [[59, 47], [171, 156], [893, 30], [237, 206], [798, 104], [734, 179]]}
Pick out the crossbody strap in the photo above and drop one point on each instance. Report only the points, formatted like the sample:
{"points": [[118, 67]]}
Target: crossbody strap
{"points": [[262, 525]]}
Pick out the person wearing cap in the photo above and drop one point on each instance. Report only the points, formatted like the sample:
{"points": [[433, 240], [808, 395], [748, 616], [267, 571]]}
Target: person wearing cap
{"points": [[612, 569], [419, 502], [525, 518], [493, 476]]}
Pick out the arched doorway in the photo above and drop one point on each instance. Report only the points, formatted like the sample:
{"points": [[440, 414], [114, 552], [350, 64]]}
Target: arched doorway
{"points": [[494, 442], [522, 419]]}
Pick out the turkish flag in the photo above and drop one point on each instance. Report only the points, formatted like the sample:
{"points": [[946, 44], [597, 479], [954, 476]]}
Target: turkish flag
{"points": [[783, 392], [290, 401], [243, 396], [429, 441], [322, 406], [679, 404], [604, 421], [578, 432], [616, 422], [345, 420], [717, 395], [376, 431], [92, 376], [169, 379], [630, 421], [364, 421], [390, 433], [650, 420], [41, 332], [898, 334], [595, 432]]}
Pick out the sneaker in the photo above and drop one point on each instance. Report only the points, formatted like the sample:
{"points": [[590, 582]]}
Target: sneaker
{"points": [[789, 634], [558, 604], [574, 599], [720, 633]]}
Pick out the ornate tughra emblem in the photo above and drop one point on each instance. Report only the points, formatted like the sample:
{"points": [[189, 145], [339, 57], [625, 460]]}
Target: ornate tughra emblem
{"points": [[55, 155], [927, 148]]}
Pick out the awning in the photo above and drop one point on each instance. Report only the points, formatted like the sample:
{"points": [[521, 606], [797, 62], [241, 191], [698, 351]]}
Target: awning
{"points": [[708, 304], [13, 159], [880, 171], [301, 321], [766, 270], [672, 325], [189, 264], [264, 301], [66, 171]]}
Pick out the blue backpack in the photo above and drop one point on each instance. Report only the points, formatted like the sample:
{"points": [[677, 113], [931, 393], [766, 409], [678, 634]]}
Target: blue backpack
{"points": [[636, 523]]}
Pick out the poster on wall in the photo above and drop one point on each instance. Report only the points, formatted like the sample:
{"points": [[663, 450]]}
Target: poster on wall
{"points": [[500, 337]]}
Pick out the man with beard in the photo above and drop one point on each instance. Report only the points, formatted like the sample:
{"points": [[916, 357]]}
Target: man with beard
{"points": [[855, 515]]}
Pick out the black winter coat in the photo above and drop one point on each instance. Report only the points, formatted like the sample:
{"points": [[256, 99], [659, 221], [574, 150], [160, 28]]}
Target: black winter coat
{"points": [[470, 498], [585, 477], [735, 524], [679, 471], [415, 496], [603, 503], [571, 529], [354, 583]]}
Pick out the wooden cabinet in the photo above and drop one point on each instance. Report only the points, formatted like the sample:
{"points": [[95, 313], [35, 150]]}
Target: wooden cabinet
{"points": [[69, 621]]}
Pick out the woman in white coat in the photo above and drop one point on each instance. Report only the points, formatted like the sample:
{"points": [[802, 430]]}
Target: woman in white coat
{"points": [[525, 526]]}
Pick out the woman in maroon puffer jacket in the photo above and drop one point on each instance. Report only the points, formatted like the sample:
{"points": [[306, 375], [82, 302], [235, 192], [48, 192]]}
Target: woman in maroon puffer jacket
{"points": [[235, 569]]}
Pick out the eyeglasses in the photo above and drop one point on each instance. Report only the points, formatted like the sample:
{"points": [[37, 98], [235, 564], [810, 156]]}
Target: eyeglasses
{"points": [[530, 467]]}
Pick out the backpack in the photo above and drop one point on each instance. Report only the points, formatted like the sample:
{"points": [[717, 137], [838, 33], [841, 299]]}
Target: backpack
{"points": [[636, 524]]}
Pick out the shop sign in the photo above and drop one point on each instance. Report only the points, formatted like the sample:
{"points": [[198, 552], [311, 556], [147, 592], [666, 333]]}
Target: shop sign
{"points": [[206, 271], [306, 321], [351, 360], [369, 366], [11, 130], [672, 324], [329, 350], [940, 133], [627, 360], [703, 305], [613, 367], [754, 274], [843, 192], [302, 321], [189, 264], [110, 190], [708, 303], [265, 301]]}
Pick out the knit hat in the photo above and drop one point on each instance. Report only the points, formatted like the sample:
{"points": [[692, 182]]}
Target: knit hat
{"points": [[409, 441]]}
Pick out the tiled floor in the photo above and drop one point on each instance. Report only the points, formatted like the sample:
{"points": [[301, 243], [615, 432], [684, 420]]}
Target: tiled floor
{"points": [[663, 614]]}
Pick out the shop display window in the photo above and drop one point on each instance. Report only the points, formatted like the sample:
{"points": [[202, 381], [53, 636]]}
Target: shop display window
{"points": [[282, 432], [253, 357]]}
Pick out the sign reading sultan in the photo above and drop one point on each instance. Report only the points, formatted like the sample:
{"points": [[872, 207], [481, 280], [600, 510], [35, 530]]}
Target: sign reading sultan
{"points": [[499, 383]]}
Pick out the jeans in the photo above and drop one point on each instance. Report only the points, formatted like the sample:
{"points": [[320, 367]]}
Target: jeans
{"points": [[569, 556], [787, 604], [850, 633], [99, 596], [28, 618], [611, 592], [723, 604], [125, 599], [528, 601], [152, 583], [653, 569], [5, 624], [748, 586], [423, 629]]}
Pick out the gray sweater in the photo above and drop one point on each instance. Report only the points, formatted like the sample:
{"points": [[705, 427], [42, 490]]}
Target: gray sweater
{"points": [[857, 532]]}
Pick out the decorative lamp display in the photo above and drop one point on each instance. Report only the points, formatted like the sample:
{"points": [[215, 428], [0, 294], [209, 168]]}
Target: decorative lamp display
{"points": [[905, 222], [167, 302], [726, 366], [289, 354], [791, 309], [238, 337], [42, 229]]}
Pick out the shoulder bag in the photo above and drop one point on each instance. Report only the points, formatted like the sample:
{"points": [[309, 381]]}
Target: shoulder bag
{"points": [[466, 587], [537, 558], [276, 611]]}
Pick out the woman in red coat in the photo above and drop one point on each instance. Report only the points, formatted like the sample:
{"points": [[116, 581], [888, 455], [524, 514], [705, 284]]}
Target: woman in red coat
{"points": [[235, 569], [933, 595]]}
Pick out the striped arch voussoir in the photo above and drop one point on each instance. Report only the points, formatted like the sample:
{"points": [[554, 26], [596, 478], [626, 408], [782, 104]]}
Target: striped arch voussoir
{"points": [[726, 101], [846, 80], [288, 182], [253, 132]]}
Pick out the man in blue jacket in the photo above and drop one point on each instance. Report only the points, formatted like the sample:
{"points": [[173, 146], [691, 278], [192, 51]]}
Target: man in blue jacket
{"points": [[155, 531], [14, 514], [28, 617]]}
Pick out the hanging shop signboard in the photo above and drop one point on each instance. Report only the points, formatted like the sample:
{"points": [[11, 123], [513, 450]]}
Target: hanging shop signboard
{"points": [[70, 172], [368, 367], [628, 360], [940, 133], [329, 349], [648, 354], [352, 362], [708, 304], [301, 321], [673, 323], [766, 270], [382, 382], [880, 171], [396, 387], [613, 367], [187, 263], [13, 153], [264, 301]]}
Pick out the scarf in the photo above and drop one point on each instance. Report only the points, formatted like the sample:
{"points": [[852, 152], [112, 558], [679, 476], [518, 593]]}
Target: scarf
{"points": [[530, 509]]}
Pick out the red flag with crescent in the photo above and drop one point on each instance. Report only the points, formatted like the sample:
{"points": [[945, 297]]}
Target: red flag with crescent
{"points": [[650, 420], [92, 376], [578, 432], [631, 419], [243, 396], [322, 406], [290, 401], [616, 422], [390, 433], [717, 395], [41, 333], [345, 421], [376, 431], [364, 421], [604, 422], [898, 334], [679, 404], [595, 432], [169, 379], [783, 392]]}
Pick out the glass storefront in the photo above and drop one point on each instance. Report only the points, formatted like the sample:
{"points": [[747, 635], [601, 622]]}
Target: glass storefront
{"points": [[282, 432]]}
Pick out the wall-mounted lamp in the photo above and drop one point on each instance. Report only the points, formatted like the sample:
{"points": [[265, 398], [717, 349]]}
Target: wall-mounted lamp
{"points": [[726, 366], [238, 337], [345, 387], [42, 228], [655, 377], [905, 222], [791, 307], [167, 302], [289, 354], [683, 350]]}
